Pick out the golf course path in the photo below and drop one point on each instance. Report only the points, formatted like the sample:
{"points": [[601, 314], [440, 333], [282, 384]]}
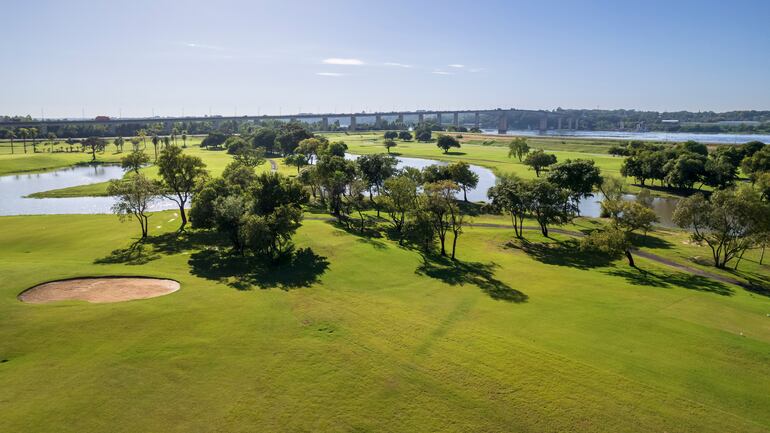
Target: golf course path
{"points": [[273, 165], [640, 253]]}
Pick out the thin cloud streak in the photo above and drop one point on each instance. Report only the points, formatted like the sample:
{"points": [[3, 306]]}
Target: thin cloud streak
{"points": [[456, 66], [442, 73], [343, 62], [400, 65], [330, 74], [204, 46]]}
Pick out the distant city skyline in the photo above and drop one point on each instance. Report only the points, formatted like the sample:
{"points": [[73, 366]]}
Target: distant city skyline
{"points": [[173, 58]]}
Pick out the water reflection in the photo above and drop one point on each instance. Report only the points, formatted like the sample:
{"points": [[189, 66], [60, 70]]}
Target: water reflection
{"points": [[15, 188]]}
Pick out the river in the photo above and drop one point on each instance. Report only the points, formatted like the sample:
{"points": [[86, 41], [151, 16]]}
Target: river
{"points": [[674, 137]]}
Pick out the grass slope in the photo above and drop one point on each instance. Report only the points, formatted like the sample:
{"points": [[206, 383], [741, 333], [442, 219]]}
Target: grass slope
{"points": [[367, 336]]}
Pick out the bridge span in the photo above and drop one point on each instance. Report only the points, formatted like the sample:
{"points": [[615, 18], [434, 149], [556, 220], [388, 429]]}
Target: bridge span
{"points": [[442, 117]]}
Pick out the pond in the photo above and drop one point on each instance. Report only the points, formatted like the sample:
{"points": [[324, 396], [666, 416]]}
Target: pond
{"points": [[589, 207], [14, 189]]}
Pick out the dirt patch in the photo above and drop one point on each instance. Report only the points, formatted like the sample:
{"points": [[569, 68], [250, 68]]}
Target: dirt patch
{"points": [[99, 290]]}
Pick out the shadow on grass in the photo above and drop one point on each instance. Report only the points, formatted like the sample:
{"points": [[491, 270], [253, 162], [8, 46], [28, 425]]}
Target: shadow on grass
{"points": [[455, 153], [138, 253], [755, 282], [369, 235], [456, 272], [699, 283], [149, 249], [647, 241], [561, 253], [295, 269]]}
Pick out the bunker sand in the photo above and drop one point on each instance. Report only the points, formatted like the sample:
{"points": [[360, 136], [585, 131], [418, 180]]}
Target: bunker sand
{"points": [[99, 290]]}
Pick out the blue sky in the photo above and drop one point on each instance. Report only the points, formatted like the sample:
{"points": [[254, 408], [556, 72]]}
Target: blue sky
{"points": [[263, 57]]}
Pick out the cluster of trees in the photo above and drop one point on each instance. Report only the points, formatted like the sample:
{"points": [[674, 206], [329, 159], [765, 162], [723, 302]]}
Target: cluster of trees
{"points": [[689, 164], [553, 200], [421, 205], [539, 160], [280, 140], [257, 212]]}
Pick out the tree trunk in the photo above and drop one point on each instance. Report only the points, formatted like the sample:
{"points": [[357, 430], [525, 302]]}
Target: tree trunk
{"points": [[183, 216], [762, 256], [465, 194], [454, 245], [515, 226], [630, 259], [443, 250], [544, 229]]}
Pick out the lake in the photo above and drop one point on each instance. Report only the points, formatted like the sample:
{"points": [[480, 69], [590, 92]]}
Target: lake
{"points": [[14, 188]]}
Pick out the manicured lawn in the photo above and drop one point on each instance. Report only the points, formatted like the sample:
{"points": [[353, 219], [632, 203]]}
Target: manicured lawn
{"points": [[494, 156], [362, 335]]}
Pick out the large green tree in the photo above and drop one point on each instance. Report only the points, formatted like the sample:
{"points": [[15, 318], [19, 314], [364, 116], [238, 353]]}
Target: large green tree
{"points": [[134, 196], [539, 161], [446, 142], [180, 175], [550, 204], [134, 161], [462, 174], [518, 147], [727, 223], [511, 195], [580, 177]]}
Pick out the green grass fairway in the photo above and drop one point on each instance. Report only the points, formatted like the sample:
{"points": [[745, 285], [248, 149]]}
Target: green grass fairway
{"points": [[362, 335], [493, 155]]}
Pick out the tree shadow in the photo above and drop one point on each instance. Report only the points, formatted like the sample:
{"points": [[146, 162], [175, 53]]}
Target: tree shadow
{"points": [[456, 272], [454, 153], [647, 241], [138, 253], [640, 277], [562, 253], [755, 282], [175, 243], [369, 236], [294, 269]]}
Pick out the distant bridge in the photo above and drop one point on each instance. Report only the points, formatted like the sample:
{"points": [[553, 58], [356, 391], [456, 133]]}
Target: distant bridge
{"points": [[442, 117]]}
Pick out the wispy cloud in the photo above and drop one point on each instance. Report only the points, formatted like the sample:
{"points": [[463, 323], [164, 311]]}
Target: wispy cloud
{"points": [[442, 73], [456, 65], [204, 46], [399, 65], [330, 74], [476, 69], [344, 62]]}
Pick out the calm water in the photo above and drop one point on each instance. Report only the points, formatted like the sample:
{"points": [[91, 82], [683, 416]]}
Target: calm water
{"points": [[589, 207], [486, 177], [14, 188], [644, 136]]}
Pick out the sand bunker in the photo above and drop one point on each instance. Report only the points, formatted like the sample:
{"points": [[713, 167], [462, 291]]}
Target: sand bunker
{"points": [[98, 290]]}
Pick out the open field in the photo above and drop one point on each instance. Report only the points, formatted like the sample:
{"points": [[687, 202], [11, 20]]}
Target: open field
{"points": [[367, 336]]}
